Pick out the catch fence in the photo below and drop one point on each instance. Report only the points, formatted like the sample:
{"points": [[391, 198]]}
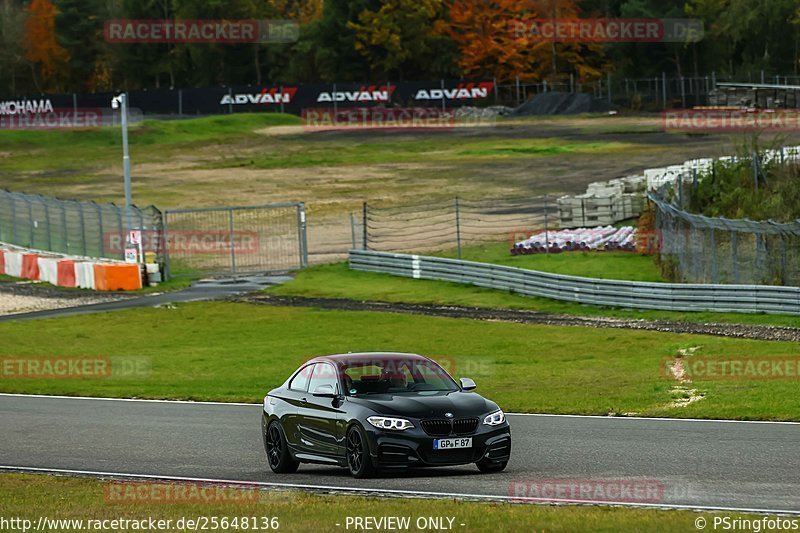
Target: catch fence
{"points": [[235, 240], [72, 227], [699, 249], [451, 223]]}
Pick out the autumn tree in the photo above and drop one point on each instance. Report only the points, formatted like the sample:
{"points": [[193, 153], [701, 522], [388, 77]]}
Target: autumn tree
{"points": [[12, 27], [41, 46], [494, 40], [399, 38]]}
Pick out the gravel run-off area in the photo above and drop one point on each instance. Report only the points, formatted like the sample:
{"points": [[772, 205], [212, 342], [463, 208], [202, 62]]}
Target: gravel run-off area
{"points": [[25, 297]]}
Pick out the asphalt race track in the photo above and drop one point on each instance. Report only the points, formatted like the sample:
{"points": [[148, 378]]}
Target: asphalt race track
{"points": [[698, 464]]}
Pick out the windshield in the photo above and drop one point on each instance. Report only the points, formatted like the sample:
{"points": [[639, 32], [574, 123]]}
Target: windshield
{"points": [[395, 376]]}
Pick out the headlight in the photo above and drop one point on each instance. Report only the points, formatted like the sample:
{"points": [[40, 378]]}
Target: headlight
{"points": [[494, 419], [383, 422]]}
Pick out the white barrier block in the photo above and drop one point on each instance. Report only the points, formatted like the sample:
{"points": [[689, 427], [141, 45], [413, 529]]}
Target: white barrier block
{"points": [[48, 269], [84, 275], [13, 264]]}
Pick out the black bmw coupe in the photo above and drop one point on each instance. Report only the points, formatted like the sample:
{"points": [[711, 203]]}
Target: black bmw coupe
{"points": [[381, 411]]}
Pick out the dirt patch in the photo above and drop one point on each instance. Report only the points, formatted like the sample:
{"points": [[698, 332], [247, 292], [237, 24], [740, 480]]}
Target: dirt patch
{"points": [[682, 393], [743, 331]]}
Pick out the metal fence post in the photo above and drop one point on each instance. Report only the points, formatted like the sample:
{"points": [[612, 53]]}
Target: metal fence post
{"points": [[458, 228], [233, 251], [13, 217], [100, 228], [83, 228], [47, 221], [364, 244], [784, 273], [121, 230], [166, 245], [735, 257], [547, 225], [30, 222], [352, 231], [64, 231], [714, 274], [301, 230]]}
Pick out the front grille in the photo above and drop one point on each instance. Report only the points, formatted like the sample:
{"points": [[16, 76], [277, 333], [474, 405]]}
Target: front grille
{"points": [[437, 427], [465, 426]]}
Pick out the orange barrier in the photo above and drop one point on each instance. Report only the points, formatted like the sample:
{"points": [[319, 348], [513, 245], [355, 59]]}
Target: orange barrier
{"points": [[113, 277], [66, 273], [30, 266], [2, 262]]}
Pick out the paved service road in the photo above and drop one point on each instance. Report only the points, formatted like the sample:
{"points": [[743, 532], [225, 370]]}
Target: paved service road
{"points": [[696, 463]]}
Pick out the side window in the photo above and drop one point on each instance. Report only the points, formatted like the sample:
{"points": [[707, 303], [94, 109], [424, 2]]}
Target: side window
{"points": [[300, 380], [324, 374]]}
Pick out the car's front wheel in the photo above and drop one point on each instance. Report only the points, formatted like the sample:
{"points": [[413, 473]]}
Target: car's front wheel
{"points": [[487, 466], [278, 456], [358, 459]]}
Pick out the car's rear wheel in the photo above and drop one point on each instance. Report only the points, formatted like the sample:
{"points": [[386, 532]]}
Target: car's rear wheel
{"points": [[358, 459], [278, 456], [490, 466]]}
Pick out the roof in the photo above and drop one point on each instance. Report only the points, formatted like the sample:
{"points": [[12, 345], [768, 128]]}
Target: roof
{"points": [[344, 358]]}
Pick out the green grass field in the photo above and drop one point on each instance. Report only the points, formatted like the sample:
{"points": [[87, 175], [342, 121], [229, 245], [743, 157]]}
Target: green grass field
{"points": [[84, 149], [30, 497], [259, 158], [338, 281], [604, 265], [237, 352]]}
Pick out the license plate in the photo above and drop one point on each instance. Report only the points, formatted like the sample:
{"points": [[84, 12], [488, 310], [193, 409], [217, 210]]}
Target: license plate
{"points": [[450, 444]]}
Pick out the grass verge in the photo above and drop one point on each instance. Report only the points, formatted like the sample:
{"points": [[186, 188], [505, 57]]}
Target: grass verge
{"points": [[604, 265], [238, 352], [30, 497], [338, 281]]}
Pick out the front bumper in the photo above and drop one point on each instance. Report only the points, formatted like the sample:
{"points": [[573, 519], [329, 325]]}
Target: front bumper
{"points": [[414, 448]]}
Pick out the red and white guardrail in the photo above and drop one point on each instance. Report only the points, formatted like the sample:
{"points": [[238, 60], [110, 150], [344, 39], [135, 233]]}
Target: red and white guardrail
{"points": [[69, 271]]}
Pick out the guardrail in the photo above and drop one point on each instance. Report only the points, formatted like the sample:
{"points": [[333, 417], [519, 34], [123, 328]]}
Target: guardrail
{"points": [[604, 292]]}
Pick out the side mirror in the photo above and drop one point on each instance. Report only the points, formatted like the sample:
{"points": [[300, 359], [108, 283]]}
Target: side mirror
{"points": [[324, 391], [467, 384]]}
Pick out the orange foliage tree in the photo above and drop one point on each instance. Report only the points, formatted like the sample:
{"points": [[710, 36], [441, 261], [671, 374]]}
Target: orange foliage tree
{"points": [[487, 34], [41, 45]]}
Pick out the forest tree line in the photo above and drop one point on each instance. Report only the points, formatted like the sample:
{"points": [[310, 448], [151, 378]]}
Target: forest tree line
{"points": [[51, 46]]}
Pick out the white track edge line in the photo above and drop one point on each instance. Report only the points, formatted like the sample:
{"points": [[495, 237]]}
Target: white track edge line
{"points": [[598, 417], [399, 492]]}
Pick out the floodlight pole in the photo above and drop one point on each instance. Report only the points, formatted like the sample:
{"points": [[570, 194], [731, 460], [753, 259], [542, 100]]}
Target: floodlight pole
{"points": [[126, 159]]}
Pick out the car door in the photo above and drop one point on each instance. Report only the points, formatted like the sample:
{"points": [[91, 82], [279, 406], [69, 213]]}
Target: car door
{"points": [[318, 417], [294, 394]]}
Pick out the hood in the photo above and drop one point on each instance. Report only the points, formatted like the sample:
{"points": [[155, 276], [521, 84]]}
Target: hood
{"points": [[420, 405]]}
